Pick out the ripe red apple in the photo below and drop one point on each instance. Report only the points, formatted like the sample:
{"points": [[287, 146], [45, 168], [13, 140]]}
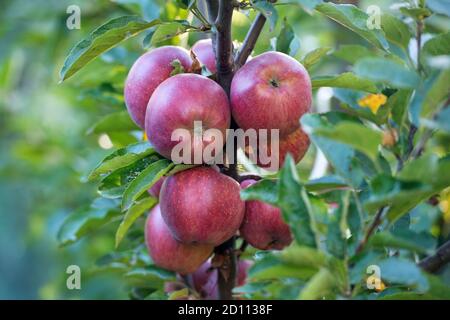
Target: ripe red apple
{"points": [[204, 51], [205, 280], [177, 103], [263, 226], [156, 188], [167, 252], [146, 74], [296, 143], [201, 205], [271, 91]]}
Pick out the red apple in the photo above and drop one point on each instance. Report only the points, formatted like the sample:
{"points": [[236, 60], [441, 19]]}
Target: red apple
{"points": [[204, 51], [146, 74], [271, 91], [205, 280], [177, 103], [296, 144], [263, 226], [168, 253], [156, 188], [201, 205]]}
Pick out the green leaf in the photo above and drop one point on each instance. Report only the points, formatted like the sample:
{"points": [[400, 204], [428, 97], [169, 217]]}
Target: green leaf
{"points": [[167, 31], [416, 13], [271, 267], [439, 6], [439, 122], [429, 95], [152, 276], [399, 271], [344, 80], [122, 158], [86, 220], [395, 30], [268, 10], [338, 154], [387, 239], [398, 104], [308, 5], [132, 215], [358, 136], [326, 183], [387, 71], [302, 257], [436, 94], [118, 121], [350, 104], [336, 238], [285, 37], [102, 39], [354, 19], [318, 286], [148, 177], [113, 185], [400, 196], [314, 56], [428, 169], [352, 53], [294, 203], [437, 46], [265, 190]]}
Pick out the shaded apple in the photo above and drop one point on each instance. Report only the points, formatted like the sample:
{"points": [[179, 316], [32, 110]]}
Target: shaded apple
{"points": [[146, 75], [201, 205], [167, 252], [205, 281], [181, 102], [263, 226], [156, 188], [296, 144], [271, 91], [204, 51]]}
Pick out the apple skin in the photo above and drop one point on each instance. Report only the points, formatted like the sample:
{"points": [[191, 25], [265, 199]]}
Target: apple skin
{"points": [[271, 91], [263, 226], [146, 75], [167, 252], [177, 103], [156, 188], [205, 280], [201, 205], [296, 144], [204, 51]]}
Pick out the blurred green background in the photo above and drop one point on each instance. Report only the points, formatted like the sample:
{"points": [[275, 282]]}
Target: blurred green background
{"points": [[46, 150]]}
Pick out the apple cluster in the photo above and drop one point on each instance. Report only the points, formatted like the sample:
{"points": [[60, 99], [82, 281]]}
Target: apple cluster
{"points": [[200, 208]]}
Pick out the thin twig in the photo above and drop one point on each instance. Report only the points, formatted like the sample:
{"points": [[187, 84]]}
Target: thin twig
{"points": [[375, 223], [438, 260], [250, 41]]}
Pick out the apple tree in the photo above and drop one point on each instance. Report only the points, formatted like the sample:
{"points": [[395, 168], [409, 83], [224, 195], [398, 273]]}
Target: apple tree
{"points": [[364, 215]]}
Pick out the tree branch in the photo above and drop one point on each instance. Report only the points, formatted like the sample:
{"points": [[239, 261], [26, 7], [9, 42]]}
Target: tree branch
{"points": [[224, 45], [375, 223], [212, 9], [227, 271], [222, 42], [250, 40], [439, 259]]}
